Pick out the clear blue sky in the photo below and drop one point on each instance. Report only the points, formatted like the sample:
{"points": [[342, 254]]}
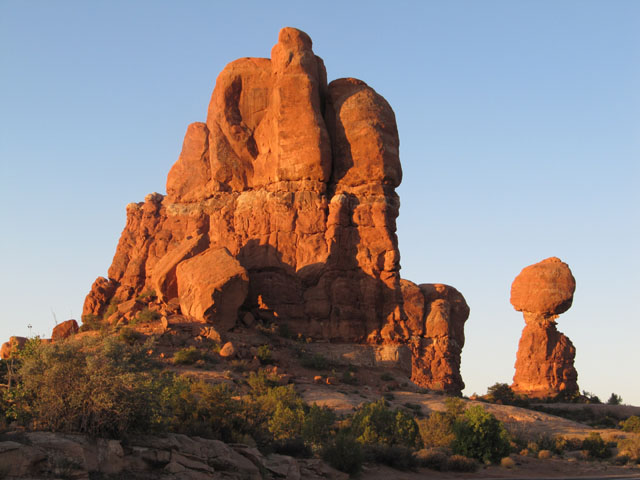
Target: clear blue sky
{"points": [[519, 127]]}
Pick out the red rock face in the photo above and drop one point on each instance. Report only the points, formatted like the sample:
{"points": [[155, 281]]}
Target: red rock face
{"points": [[296, 179], [544, 364], [64, 330]]}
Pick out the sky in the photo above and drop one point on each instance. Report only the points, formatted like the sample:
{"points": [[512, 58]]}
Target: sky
{"points": [[519, 128]]}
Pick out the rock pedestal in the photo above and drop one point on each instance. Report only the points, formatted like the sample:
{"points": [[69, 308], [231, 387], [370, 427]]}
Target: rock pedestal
{"points": [[544, 364]]}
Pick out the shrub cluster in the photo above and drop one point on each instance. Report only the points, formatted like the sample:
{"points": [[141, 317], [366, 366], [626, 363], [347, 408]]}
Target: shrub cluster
{"points": [[111, 387]]}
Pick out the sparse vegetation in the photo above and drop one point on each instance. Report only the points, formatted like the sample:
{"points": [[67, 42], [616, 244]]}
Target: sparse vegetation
{"points": [[187, 356], [344, 453], [595, 446], [614, 399], [315, 362], [103, 387], [479, 435], [631, 424], [436, 430], [146, 315], [264, 354]]}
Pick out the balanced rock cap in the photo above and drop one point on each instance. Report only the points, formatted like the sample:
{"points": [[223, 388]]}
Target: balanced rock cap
{"points": [[545, 287]]}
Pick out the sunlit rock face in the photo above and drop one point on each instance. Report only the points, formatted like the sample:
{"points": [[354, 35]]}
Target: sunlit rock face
{"points": [[544, 364], [295, 177]]}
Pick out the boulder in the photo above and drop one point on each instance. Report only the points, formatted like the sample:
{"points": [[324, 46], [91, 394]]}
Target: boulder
{"points": [[545, 287], [211, 287], [64, 330], [13, 345], [545, 359]]}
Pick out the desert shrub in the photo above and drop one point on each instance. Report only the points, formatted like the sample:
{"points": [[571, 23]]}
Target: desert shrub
{"points": [[264, 354], [436, 430], [98, 387], [480, 435], [595, 446], [631, 447], [375, 423], [199, 408], [146, 315], [507, 462], [394, 456], [544, 454], [147, 294], [129, 336], [284, 331], [260, 383], [349, 378], [293, 447], [433, 458], [111, 309], [455, 407], [614, 399], [273, 413], [315, 362], [589, 397], [500, 393], [317, 425], [460, 463], [90, 322], [631, 424], [187, 356], [344, 453], [286, 421]]}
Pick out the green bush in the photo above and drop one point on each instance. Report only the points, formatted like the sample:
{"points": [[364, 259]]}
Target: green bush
{"points": [[318, 423], [436, 430], [455, 407], [315, 362], [460, 463], [614, 399], [630, 447], [500, 393], [187, 356], [199, 408], [344, 453], [433, 458], [146, 315], [375, 423], [264, 354], [480, 435], [129, 336], [94, 386], [287, 420], [394, 456], [349, 378], [90, 322], [631, 424], [596, 446]]}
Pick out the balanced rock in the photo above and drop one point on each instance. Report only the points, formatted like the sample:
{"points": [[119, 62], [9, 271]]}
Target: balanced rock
{"points": [[295, 177], [544, 364]]}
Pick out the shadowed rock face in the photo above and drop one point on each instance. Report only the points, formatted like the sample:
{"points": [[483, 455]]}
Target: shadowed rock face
{"points": [[296, 179], [544, 364]]}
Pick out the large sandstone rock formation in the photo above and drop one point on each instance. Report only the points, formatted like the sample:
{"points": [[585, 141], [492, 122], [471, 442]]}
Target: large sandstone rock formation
{"points": [[544, 365], [296, 179]]}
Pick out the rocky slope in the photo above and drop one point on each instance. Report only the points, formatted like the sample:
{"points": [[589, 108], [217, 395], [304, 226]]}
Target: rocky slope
{"points": [[282, 206]]}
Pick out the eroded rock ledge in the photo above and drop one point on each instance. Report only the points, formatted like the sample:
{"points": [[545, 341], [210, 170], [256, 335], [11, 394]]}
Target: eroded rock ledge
{"points": [[291, 181]]}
